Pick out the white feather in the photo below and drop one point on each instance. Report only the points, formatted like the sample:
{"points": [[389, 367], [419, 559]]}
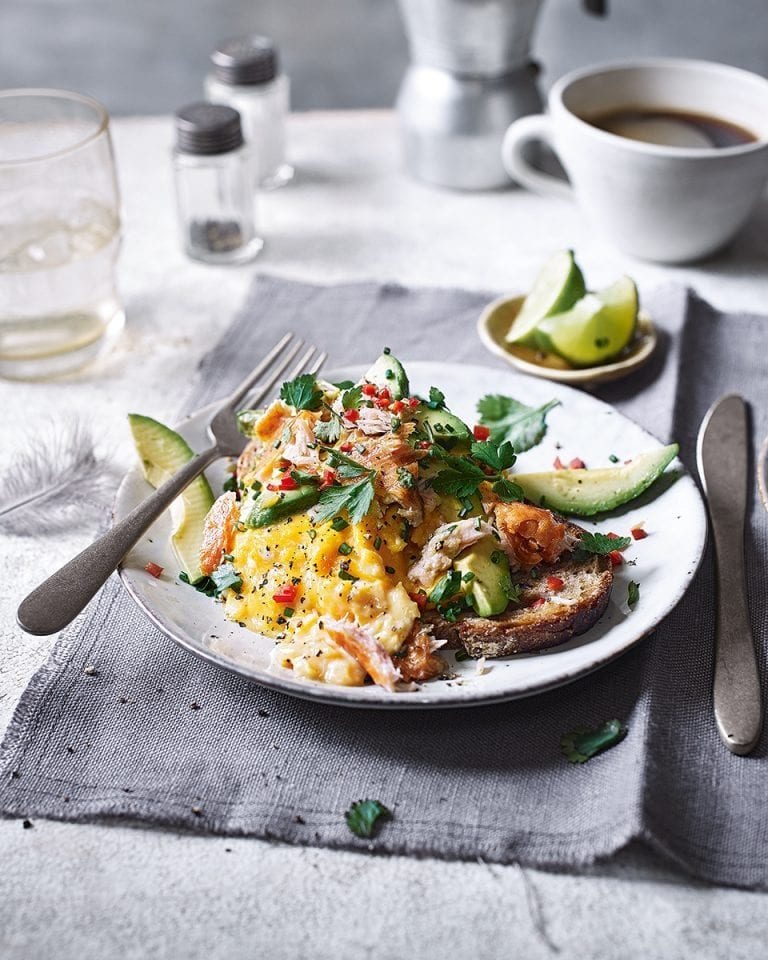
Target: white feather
{"points": [[54, 483]]}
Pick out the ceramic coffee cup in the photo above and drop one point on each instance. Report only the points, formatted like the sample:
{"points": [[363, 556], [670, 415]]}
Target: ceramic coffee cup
{"points": [[663, 203]]}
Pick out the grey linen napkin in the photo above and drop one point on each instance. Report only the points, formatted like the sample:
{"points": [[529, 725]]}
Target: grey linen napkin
{"points": [[161, 736]]}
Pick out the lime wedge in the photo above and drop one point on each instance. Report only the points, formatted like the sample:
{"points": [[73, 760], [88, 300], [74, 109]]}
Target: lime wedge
{"points": [[163, 452], [596, 329], [556, 289]]}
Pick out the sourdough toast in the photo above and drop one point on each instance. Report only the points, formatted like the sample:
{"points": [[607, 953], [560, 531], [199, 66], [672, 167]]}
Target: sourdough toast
{"points": [[530, 625]]}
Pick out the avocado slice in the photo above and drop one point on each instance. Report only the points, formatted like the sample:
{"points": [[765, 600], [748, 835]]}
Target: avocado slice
{"points": [[442, 426], [490, 585], [163, 452], [388, 372], [268, 509], [582, 493]]}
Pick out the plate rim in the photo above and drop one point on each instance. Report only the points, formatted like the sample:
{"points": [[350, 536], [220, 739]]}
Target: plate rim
{"points": [[344, 696]]}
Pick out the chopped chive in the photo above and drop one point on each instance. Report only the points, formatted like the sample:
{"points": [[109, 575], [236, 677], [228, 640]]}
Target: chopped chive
{"points": [[613, 458], [345, 549], [377, 543], [345, 575], [288, 612], [338, 524], [468, 577], [389, 569]]}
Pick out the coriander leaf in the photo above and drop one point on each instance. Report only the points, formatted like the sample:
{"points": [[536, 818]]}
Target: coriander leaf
{"points": [[436, 398], [512, 590], [202, 584], [405, 478], [356, 498], [600, 544], [583, 743], [352, 398], [346, 467], [214, 585], [508, 491], [302, 393], [499, 456], [230, 484], [344, 384], [513, 421], [362, 817], [459, 478], [633, 593], [445, 587], [246, 420], [328, 431]]}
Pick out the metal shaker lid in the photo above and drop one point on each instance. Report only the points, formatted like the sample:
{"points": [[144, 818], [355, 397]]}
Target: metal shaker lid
{"points": [[245, 61], [208, 128]]}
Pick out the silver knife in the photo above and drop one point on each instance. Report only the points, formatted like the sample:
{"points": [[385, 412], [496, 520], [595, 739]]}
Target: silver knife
{"points": [[722, 454]]}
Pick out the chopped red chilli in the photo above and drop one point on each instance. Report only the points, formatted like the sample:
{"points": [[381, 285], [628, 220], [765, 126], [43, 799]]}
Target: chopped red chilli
{"points": [[369, 389], [153, 568], [558, 464], [352, 415], [616, 558], [481, 432], [555, 583], [288, 483], [286, 593], [638, 533], [538, 602], [420, 599], [577, 464]]}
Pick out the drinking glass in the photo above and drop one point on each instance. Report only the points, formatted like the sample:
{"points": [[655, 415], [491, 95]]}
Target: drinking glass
{"points": [[59, 233]]}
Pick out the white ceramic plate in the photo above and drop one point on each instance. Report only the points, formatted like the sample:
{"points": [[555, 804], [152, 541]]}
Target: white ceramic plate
{"points": [[666, 560]]}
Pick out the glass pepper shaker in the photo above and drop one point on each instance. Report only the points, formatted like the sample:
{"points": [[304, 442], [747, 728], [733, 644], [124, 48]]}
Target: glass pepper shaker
{"points": [[214, 185], [246, 76]]}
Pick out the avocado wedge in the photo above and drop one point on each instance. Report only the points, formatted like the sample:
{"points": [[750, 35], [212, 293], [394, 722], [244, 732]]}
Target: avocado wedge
{"points": [[583, 493], [163, 452]]}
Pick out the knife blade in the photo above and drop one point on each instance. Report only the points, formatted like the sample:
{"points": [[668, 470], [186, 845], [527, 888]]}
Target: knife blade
{"points": [[722, 455]]}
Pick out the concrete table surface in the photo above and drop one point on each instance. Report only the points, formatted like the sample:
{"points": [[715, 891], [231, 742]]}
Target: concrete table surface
{"points": [[102, 891]]}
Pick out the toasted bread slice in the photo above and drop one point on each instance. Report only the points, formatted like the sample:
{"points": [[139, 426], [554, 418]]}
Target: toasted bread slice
{"points": [[524, 628]]}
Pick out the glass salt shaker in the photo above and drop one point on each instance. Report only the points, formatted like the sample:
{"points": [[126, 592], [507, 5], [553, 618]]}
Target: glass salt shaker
{"points": [[246, 76], [214, 185]]}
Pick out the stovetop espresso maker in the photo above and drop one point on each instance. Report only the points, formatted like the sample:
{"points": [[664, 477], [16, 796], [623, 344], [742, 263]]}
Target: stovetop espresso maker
{"points": [[471, 75]]}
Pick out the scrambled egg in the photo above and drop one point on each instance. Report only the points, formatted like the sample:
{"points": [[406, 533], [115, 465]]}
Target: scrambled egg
{"points": [[295, 552]]}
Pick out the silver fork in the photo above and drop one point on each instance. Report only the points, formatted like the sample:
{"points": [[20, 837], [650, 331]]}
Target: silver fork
{"points": [[59, 599]]}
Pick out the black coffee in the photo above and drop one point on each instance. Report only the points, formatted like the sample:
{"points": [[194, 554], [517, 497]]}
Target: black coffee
{"points": [[672, 128]]}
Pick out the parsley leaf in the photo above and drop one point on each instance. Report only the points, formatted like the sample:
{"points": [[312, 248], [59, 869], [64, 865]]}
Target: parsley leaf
{"points": [[352, 398], [356, 498], [633, 593], [584, 743], [601, 544], [445, 587], [302, 393], [344, 384], [513, 421], [362, 817], [498, 456]]}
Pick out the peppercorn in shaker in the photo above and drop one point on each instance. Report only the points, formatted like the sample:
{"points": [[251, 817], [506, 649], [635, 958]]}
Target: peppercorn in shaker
{"points": [[246, 76], [214, 185]]}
